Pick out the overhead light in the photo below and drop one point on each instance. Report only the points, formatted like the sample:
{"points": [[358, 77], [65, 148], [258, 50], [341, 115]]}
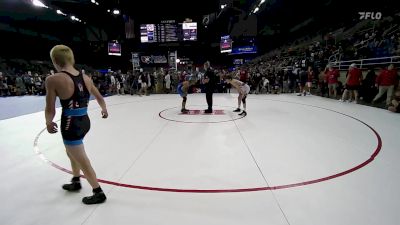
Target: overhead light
{"points": [[75, 18], [223, 6], [262, 1], [97, 3], [108, 10], [178, 60], [39, 4], [60, 12], [256, 9], [93, 1], [116, 12]]}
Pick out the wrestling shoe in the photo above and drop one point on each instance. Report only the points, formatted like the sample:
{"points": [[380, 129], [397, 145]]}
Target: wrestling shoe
{"points": [[96, 198], [236, 110], [208, 111], [73, 186], [244, 113], [184, 111]]}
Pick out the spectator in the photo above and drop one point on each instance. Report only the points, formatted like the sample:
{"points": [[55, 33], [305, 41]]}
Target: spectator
{"points": [[303, 77], [243, 75], [292, 80], [134, 83], [142, 83], [353, 82], [3, 85], [395, 106], [113, 82], [285, 82], [323, 84], [167, 82], [152, 81], [125, 83], [37, 81], [160, 81], [28, 82], [368, 89], [120, 83], [265, 85], [310, 77], [11, 85], [119, 87], [257, 82], [332, 76], [19, 84], [386, 81]]}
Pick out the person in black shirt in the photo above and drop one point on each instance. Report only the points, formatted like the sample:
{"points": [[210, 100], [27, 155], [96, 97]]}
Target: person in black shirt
{"points": [[368, 89], [210, 82]]}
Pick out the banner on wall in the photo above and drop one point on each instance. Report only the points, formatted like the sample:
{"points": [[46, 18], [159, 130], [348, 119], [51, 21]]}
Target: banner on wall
{"points": [[153, 59], [135, 60], [244, 50], [172, 56]]}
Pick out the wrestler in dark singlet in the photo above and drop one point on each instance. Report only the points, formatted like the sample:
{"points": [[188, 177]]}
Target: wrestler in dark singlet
{"points": [[73, 89], [75, 122]]}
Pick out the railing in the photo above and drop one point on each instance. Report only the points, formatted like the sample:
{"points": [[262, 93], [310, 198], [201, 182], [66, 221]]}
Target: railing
{"points": [[365, 63], [386, 32], [335, 57], [393, 31]]}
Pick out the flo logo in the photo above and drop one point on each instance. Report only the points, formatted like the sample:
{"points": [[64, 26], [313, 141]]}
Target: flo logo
{"points": [[370, 15]]}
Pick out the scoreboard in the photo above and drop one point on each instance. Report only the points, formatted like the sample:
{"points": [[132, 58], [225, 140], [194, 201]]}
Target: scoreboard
{"points": [[168, 32], [148, 33]]}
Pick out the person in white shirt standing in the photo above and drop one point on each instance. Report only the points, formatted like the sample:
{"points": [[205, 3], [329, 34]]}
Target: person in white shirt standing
{"points": [[167, 79], [113, 84]]}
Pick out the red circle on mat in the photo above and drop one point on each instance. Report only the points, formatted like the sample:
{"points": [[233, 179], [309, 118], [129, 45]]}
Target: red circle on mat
{"points": [[284, 186]]}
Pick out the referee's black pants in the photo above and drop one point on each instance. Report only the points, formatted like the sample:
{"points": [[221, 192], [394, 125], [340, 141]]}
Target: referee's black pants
{"points": [[209, 95]]}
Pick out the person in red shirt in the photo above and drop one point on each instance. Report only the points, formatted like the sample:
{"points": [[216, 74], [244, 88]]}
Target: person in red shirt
{"points": [[353, 82], [332, 76], [243, 75], [386, 81]]}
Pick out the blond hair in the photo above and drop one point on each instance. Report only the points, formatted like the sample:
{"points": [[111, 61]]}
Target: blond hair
{"points": [[62, 55]]}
